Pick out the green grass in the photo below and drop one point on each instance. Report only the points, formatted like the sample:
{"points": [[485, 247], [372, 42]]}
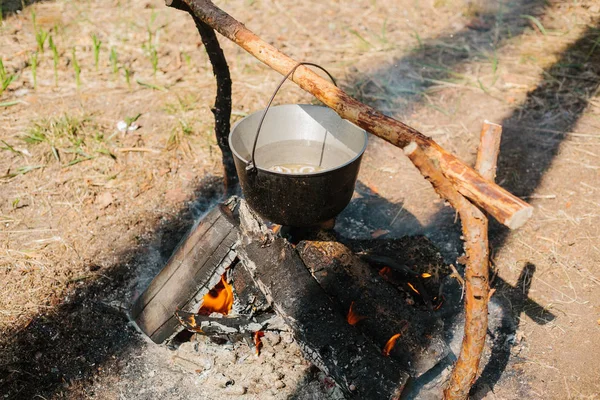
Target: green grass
{"points": [[153, 55], [22, 171], [40, 34], [5, 78], [55, 59], [9, 148], [96, 43], [114, 61], [179, 135], [34, 64], [128, 72], [152, 86], [183, 104], [76, 68], [10, 103], [365, 44], [68, 139], [536, 22]]}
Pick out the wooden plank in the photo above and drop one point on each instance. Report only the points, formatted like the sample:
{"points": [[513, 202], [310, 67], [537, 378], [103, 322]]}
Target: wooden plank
{"points": [[194, 268]]}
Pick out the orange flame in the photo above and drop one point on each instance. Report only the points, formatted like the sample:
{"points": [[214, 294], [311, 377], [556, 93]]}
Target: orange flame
{"points": [[384, 271], [257, 341], [413, 288], [352, 317], [219, 299], [390, 344], [425, 275]]}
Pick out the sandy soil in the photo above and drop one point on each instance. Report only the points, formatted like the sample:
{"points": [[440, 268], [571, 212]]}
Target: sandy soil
{"points": [[89, 214]]}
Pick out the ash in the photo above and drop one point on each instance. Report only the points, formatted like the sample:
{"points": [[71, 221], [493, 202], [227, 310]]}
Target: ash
{"points": [[201, 369]]}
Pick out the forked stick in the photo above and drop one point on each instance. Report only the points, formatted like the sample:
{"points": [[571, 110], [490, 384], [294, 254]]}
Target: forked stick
{"points": [[475, 232]]}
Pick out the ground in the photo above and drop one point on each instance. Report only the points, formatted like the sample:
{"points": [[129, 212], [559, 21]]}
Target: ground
{"points": [[90, 213]]}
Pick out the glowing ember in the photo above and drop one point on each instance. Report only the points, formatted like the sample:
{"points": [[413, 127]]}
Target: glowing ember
{"points": [[384, 271], [219, 299], [412, 287], [425, 275], [390, 344], [352, 317], [257, 341]]}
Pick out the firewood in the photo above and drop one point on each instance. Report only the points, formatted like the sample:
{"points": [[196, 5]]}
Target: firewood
{"points": [[194, 268], [477, 287], [319, 327], [383, 311]]}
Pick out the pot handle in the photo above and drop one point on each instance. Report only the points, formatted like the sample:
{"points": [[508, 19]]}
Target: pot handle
{"points": [[251, 166]]}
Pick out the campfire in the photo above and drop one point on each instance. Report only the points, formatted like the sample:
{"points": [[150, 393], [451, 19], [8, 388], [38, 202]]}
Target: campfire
{"points": [[234, 278]]}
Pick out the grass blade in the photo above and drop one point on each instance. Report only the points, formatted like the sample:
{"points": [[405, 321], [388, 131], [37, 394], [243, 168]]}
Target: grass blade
{"points": [[536, 22], [151, 86], [22, 171], [10, 103]]}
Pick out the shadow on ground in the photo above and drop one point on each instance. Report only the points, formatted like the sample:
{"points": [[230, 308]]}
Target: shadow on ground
{"points": [[531, 139], [396, 87], [8, 7], [87, 335]]}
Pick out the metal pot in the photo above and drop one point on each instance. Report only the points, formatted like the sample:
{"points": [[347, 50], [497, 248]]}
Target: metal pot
{"points": [[297, 137]]}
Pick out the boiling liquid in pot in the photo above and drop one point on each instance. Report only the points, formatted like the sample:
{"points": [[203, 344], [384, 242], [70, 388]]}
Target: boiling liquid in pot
{"points": [[296, 168], [302, 156]]}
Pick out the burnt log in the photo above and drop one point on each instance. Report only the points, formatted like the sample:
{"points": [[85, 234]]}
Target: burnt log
{"points": [[321, 330], [379, 310], [194, 268]]}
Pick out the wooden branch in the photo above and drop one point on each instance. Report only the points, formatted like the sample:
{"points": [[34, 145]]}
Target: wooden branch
{"points": [[320, 329], [476, 287], [488, 150], [476, 274], [505, 207], [222, 108]]}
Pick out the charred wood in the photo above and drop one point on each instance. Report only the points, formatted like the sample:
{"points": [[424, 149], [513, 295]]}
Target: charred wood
{"points": [[379, 309], [318, 325]]}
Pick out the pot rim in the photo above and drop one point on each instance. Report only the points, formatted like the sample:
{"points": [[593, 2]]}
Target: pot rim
{"points": [[305, 175]]}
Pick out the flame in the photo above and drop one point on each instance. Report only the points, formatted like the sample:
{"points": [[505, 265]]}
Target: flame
{"points": [[384, 271], [219, 299], [275, 228], [413, 288], [425, 275], [390, 344], [352, 317], [257, 341]]}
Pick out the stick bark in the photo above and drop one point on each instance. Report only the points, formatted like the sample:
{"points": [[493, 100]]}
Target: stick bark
{"points": [[505, 207], [222, 108], [475, 231]]}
